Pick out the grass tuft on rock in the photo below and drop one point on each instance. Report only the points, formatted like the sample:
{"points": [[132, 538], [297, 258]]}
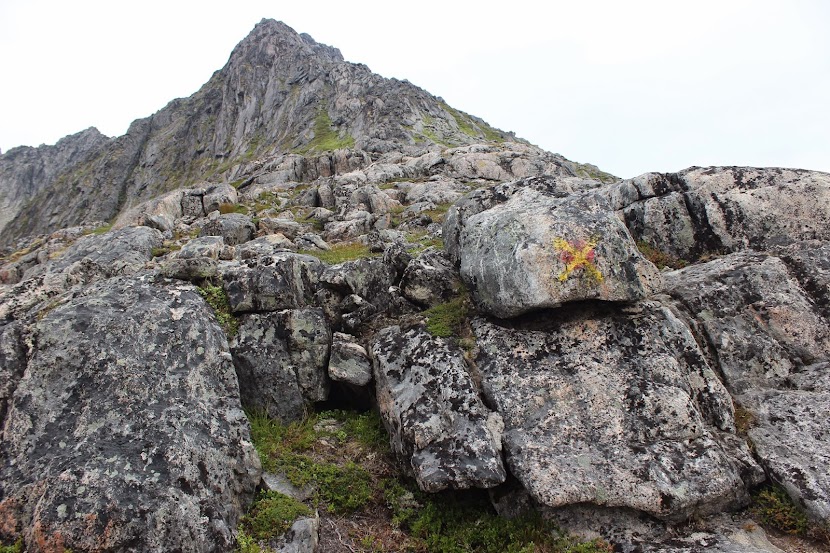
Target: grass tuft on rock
{"points": [[272, 514], [660, 258], [775, 509], [16, 547], [217, 298], [446, 319]]}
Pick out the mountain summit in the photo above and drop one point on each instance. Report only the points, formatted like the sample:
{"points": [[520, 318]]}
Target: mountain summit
{"points": [[280, 93]]}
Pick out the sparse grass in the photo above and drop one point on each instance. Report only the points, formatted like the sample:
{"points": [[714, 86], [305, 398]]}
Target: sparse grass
{"points": [[660, 258], [588, 171], [419, 243], [103, 229], [744, 420], [446, 319], [341, 486], [437, 214], [775, 509], [217, 298], [16, 547], [392, 514], [339, 253], [14, 256], [166, 248], [326, 138], [232, 208]]}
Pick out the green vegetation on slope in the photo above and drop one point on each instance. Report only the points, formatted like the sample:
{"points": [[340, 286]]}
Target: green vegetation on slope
{"points": [[392, 514], [326, 138]]}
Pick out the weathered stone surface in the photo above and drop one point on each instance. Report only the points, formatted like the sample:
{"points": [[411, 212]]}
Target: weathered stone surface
{"points": [[430, 279], [755, 315], [440, 429], [90, 258], [773, 346], [235, 228], [615, 408], [25, 171], [724, 209], [264, 246], [126, 433], [194, 269], [119, 252], [538, 250], [271, 283], [12, 364], [289, 229], [302, 537], [203, 246], [349, 361], [369, 278], [217, 195], [281, 360]]}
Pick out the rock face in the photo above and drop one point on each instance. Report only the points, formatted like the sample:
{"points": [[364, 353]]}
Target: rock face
{"points": [[431, 408], [536, 250], [724, 209], [102, 442], [281, 361], [25, 171], [615, 408], [271, 283], [772, 342]]}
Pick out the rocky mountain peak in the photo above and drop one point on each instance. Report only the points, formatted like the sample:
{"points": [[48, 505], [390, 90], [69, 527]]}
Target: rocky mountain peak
{"points": [[280, 94]]}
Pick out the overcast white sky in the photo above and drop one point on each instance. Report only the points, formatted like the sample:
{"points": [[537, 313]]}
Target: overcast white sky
{"points": [[632, 86]]}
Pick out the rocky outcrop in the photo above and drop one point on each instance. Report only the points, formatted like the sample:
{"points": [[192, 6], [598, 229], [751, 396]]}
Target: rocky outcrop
{"points": [[716, 210], [616, 408], [282, 103], [531, 248], [281, 361], [88, 259], [25, 171], [772, 343], [439, 428], [103, 443]]}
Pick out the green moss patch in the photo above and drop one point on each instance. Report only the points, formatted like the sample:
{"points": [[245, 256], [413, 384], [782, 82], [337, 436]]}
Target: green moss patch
{"points": [[326, 137], [447, 319]]}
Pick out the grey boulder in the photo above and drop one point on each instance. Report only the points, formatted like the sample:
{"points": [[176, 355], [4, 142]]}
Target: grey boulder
{"points": [[440, 430], [235, 228], [615, 408], [271, 283], [772, 343], [128, 419], [281, 360], [537, 250]]}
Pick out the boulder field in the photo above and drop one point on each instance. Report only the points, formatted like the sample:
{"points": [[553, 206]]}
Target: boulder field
{"points": [[583, 381]]}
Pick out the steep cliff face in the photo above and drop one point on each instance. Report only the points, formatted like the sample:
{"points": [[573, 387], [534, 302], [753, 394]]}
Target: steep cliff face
{"points": [[280, 93], [25, 171]]}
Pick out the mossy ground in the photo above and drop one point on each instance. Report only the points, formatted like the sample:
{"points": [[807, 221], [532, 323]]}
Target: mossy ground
{"points": [[371, 507]]}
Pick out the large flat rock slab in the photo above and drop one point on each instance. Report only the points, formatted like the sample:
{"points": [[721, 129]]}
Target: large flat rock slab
{"points": [[614, 408]]}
